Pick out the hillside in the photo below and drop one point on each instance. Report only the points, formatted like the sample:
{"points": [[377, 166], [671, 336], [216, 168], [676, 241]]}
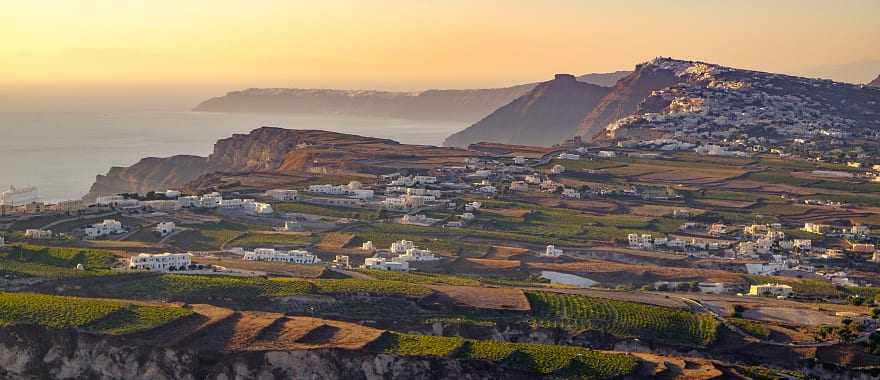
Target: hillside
{"points": [[705, 103], [875, 82], [452, 105], [271, 155], [545, 115]]}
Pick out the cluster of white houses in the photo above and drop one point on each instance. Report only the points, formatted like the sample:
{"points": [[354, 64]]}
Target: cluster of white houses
{"points": [[273, 255], [398, 256]]}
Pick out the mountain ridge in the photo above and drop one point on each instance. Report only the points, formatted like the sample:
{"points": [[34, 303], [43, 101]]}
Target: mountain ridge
{"points": [[875, 82], [543, 116], [467, 105]]}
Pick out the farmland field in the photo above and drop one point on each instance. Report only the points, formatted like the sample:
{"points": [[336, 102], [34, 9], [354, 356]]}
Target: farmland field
{"points": [[113, 317], [560, 361], [624, 319]]}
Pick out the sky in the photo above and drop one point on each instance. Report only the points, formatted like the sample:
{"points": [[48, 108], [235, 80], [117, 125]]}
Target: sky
{"points": [[58, 50]]}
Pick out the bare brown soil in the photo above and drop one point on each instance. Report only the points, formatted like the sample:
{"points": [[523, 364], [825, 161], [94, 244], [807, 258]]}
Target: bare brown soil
{"points": [[483, 298]]}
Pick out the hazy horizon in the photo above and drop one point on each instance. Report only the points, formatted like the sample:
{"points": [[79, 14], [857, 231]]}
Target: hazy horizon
{"points": [[78, 56]]}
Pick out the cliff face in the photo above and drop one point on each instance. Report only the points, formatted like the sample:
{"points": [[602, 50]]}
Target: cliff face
{"points": [[451, 105], [34, 352], [149, 174], [625, 97], [267, 152], [875, 82], [546, 115]]}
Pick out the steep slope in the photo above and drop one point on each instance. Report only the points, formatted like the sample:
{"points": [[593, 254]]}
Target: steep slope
{"points": [[546, 115], [702, 103], [875, 82], [266, 155], [625, 97], [149, 174], [452, 105]]}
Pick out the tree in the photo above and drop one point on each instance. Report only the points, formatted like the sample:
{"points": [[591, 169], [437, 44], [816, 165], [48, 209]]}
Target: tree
{"points": [[875, 313]]}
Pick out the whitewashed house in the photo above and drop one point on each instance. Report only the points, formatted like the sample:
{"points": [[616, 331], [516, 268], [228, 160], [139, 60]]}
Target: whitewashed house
{"points": [[107, 227], [557, 169], [385, 264], [34, 233], [292, 257], [165, 228], [401, 246], [162, 262], [415, 254], [552, 251], [519, 186]]}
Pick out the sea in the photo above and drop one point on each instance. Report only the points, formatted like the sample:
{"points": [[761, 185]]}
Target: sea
{"points": [[61, 152]]}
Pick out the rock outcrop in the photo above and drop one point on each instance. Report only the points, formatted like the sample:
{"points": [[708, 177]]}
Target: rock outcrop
{"points": [[274, 154], [689, 102], [546, 115], [875, 82], [35, 352], [625, 97], [448, 105]]}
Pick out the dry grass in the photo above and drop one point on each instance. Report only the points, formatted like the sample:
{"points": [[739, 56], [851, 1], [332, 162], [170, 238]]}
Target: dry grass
{"points": [[335, 240]]}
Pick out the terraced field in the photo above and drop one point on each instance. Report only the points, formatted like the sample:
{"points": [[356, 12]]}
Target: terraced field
{"points": [[559, 361], [103, 316], [623, 319], [54, 262]]}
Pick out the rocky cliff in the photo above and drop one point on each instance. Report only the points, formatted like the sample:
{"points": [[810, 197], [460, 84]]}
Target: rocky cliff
{"points": [[451, 105], [268, 155], [625, 97], [546, 115], [149, 174], [875, 82], [35, 352]]}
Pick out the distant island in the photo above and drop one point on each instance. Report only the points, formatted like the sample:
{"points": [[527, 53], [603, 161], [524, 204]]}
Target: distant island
{"points": [[467, 105]]}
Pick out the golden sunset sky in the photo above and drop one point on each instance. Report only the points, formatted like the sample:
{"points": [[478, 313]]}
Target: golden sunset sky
{"points": [[407, 45]]}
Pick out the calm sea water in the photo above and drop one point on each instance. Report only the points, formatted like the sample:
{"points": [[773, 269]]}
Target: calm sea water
{"points": [[61, 153]]}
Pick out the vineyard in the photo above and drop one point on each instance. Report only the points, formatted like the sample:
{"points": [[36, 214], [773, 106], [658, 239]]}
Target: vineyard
{"points": [[244, 289], [89, 314], [54, 262], [561, 361], [622, 319]]}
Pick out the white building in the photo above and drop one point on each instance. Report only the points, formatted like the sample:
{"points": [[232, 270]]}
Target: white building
{"points": [[19, 196], [292, 257], [415, 254], [385, 264], [643, 241], [777, 290], [328, 189], [557, 169], [162, 262], [107, 227], [2, 241], [38, 234], [607, 154], [552, 251], [283, 195], [765, 269], [519, 160], [165, 228], [569, 156], [172, 194], [341, 262], [400, 247], [368, 246], [816, 228]]}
